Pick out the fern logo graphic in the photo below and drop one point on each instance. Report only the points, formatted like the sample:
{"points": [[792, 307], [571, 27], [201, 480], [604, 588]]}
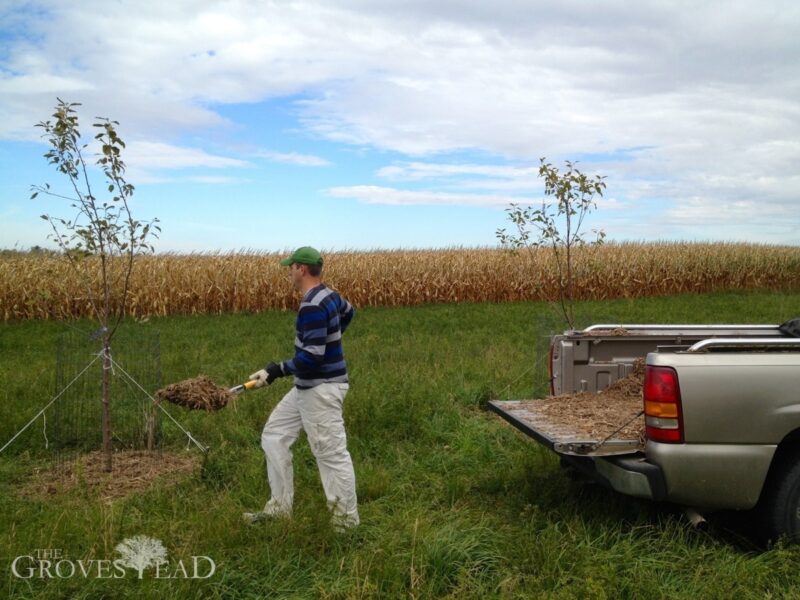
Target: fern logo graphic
{"points": [[141, 552]]}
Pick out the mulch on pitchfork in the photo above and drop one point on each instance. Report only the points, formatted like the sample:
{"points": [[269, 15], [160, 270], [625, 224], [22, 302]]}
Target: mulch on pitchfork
{"points": [[200, 393]]}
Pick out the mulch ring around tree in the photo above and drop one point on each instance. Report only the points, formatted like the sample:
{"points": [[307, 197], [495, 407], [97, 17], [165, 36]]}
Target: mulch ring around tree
{"points": [[132, 471], [200, 393]]}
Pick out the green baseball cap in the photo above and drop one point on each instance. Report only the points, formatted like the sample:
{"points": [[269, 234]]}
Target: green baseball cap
{"points": [[305, 255]]}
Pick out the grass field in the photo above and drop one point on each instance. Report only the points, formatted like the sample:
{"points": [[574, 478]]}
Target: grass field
{"points": [[453, 501]]}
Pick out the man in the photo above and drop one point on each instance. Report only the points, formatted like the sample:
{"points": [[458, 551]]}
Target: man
{"points": [[314, 403]]}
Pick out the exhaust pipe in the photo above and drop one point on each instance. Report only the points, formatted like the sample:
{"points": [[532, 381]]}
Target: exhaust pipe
{"points": [[696, 520]]}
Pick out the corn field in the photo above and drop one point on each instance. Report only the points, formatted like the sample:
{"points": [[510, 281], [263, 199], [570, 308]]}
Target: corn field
{"points": [[45, 286]]}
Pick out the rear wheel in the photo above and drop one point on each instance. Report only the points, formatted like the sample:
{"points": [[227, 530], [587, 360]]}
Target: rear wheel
{"points": [[778, 509]]}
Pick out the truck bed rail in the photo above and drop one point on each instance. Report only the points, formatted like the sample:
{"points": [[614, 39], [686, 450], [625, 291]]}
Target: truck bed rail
{"points": [[774, 329], [744, 343]]}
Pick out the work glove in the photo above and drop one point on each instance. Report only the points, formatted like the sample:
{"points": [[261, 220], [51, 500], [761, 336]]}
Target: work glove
{"points": [[268, 375], [274, 370]]}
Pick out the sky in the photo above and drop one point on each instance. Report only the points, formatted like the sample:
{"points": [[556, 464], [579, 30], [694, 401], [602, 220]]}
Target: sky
{"points": [[415, 124]]}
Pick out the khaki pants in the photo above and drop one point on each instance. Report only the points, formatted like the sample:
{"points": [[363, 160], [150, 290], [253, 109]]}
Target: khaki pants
{"points": [[317, 411]]}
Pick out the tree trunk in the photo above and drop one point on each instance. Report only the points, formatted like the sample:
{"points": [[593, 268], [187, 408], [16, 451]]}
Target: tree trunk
{"points": [[107, 451], [151, 426]]}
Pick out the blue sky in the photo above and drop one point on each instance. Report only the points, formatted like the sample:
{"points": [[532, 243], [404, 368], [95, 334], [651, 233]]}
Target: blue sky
{"points": [[410, 124]]}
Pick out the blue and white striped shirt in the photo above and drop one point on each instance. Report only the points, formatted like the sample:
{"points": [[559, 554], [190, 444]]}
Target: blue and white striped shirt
{"points": [[322, 318]]}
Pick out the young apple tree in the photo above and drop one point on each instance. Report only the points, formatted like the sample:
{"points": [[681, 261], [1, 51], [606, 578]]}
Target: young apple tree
{"points": [[568, 197], [102, 238]]}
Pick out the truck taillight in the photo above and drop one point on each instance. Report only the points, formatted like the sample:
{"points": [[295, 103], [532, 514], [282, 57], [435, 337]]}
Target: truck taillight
{"points": [[662, 405]]}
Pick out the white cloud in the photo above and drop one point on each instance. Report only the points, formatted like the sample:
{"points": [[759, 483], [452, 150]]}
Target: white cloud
{"points": [[158, 155], [37, 83], [374, 194], [494, 179], [710, 88], [424, 170], [214, 179], [295, 158], [149, 162]]}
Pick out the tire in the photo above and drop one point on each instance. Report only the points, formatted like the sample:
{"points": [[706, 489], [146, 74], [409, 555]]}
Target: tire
{"points": [[778, 509]]}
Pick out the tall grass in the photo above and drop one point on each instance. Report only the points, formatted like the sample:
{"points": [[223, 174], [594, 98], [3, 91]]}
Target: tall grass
{"points": [[454, 502]]}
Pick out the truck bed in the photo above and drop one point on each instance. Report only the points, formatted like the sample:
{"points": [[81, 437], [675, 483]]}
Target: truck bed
{"points": [[737, 387], [596, 376], [572, 436]]}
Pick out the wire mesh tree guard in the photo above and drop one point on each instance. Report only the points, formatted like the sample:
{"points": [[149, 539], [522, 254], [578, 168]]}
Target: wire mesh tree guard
{"points": [[72, 419], [76, 419]]}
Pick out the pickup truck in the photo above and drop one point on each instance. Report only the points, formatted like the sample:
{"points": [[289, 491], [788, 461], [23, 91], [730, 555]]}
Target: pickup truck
{"points": [[721, 411]]}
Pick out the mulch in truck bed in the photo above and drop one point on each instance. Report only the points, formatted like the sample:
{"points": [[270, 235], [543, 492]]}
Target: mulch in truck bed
{"points": [[597, 415], [200, 393]]}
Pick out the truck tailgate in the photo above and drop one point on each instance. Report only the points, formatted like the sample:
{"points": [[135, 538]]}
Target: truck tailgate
{"points": [[565, 436]]}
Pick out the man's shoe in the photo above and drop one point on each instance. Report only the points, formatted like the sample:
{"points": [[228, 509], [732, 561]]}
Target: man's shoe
{"points": [[271, 510], [253, 517], [342, 524]]}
